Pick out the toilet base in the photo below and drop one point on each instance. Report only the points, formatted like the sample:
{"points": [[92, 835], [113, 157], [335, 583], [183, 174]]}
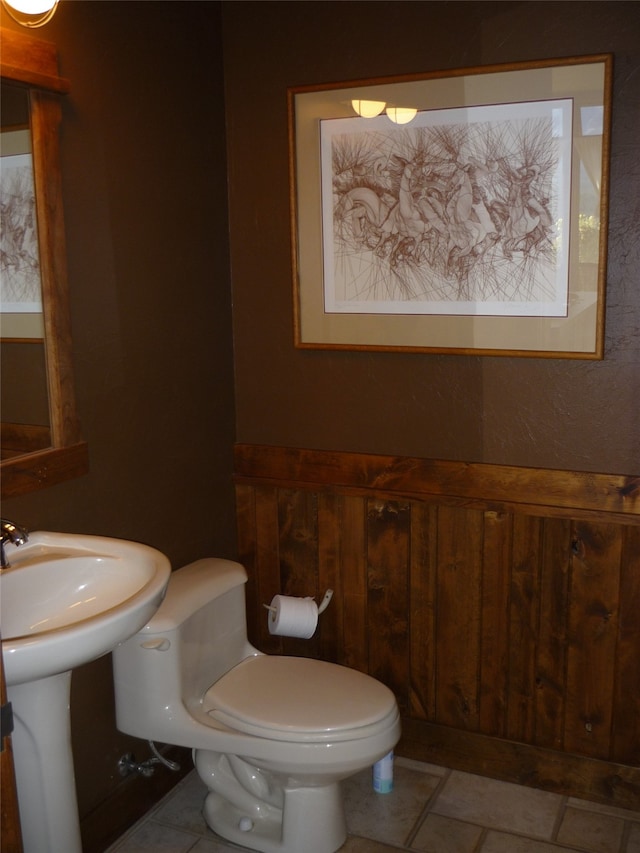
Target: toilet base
{"points": [[312, 821]]}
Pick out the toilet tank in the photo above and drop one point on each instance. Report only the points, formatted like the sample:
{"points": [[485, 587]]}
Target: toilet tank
{"points": [[198, 633]]}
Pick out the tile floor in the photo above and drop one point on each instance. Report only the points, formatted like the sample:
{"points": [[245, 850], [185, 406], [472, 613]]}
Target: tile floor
{"points": [[430, 810]]}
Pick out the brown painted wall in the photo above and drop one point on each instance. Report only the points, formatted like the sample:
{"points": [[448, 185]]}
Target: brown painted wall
{"points": [[144, 175], [533, 412], [145, 202]]}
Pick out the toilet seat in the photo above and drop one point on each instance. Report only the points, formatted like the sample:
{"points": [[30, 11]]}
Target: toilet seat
{"points": [[303, 699]]}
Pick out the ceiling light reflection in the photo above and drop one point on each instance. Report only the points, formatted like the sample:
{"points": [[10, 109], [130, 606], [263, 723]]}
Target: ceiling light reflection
{"points": [[401, 115], [368, 109]]}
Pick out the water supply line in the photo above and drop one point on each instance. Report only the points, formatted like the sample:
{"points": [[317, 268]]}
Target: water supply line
{"points": [[128, 764]]}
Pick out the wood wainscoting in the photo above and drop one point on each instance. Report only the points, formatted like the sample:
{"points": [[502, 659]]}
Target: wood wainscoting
{"points": [[500, 604]]}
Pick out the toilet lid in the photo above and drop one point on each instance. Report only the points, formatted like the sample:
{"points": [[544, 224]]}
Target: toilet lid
{"points": [[279, 697]]}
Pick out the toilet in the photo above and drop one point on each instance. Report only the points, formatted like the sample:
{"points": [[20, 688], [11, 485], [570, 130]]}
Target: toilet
{"points": [[272, 736]]}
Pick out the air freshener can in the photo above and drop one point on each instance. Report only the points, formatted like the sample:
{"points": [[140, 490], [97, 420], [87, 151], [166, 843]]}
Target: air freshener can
{"points": [[383, 774]]}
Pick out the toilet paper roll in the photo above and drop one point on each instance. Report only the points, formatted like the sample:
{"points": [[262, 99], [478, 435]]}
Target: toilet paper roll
{"points": [[293, 617]]}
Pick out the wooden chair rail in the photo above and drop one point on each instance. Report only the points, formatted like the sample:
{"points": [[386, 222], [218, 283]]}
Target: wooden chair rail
{"points": [[553, 492]]}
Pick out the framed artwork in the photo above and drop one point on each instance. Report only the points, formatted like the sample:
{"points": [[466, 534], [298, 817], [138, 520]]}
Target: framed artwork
{"points": [[20, 283], [453, 212]]}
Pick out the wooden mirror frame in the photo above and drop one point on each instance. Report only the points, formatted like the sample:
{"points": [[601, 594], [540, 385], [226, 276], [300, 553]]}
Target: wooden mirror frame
{"points": [[33, 64]]}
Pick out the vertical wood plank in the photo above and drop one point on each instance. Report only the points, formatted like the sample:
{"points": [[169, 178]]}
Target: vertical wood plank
{"points": [[494, 643], [353, 568], [267, 561], [593, 626], [388, 525], [247, 552], [298, 551], [460, 533], [626, 719], [552, 633], [524, 619], [298, 542], [422, 613], [330, 629]]}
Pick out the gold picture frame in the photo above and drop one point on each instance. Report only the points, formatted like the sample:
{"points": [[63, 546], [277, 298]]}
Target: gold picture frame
{"points": [[460, 212]]}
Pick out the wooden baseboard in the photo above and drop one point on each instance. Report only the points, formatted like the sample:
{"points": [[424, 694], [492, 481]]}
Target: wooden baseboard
{"points": [[130, 801], [572, 775]]}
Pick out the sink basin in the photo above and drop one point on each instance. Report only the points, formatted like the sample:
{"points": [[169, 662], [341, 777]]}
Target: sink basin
{"points": [[68, 599]]}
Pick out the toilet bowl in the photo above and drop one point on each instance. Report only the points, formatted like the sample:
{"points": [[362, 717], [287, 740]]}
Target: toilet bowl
{"points": [[272, 736]]}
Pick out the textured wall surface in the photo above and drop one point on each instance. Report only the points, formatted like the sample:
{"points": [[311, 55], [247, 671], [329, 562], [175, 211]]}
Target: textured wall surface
{"points": [[537, 412]]}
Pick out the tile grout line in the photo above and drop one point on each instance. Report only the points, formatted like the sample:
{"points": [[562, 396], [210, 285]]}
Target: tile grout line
{"points": [[562, 811], [427, 809], [481, 839]]}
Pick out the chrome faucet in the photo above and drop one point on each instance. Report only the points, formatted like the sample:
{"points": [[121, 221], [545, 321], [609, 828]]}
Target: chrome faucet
{"points": [[11, 533]]}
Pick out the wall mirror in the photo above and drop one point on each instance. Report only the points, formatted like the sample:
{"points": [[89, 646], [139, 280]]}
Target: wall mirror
{"points": [[40, 433]]}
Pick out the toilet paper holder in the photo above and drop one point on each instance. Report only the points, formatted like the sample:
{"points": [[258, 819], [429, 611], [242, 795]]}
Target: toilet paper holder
{"points": [[321, 607]]}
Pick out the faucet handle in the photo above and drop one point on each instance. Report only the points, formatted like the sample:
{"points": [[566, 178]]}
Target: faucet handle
{"points": [[13, 533]]}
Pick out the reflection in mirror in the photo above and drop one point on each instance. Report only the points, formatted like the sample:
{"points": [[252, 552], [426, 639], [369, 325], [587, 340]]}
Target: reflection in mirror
{"points": [[41, 441], [20, 287], [24, 399]]}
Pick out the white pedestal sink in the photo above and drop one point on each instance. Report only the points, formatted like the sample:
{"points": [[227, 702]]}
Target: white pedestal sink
{"points": [[66, 600]]}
